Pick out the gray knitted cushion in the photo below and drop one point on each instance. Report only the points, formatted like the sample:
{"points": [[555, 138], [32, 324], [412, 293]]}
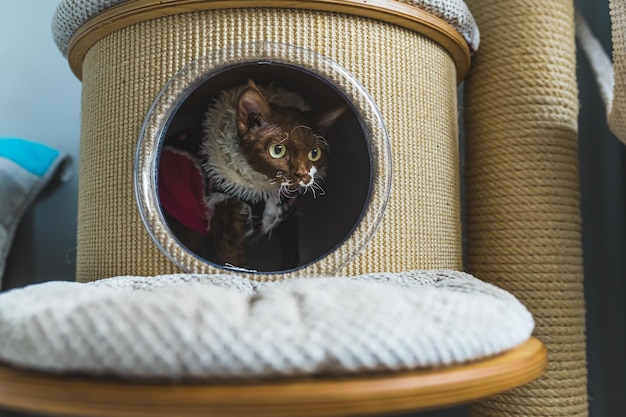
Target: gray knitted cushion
{"points": [[72, 14], [225, 326]]}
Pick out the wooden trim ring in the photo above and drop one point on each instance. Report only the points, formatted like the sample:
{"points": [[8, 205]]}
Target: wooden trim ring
{"points": [[327, 396], [390, 11]]}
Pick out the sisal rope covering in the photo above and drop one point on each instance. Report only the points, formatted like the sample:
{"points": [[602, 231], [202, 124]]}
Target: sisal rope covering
{"points": [[411, 79], [523, 221]]}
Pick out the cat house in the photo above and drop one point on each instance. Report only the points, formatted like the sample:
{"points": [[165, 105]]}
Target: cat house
{"points": [[150, 69]]}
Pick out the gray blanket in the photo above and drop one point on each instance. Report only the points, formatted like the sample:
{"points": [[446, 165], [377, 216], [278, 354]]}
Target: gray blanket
{"points": [[25, 168]]}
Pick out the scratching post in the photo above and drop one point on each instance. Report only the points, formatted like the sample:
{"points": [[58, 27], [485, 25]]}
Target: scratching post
{"points": [[398, 340], [407, 60], [523, 222]]}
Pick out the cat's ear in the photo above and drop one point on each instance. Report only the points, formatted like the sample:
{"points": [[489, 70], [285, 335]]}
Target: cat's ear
{"points": [[252, 109], [328, 118]]}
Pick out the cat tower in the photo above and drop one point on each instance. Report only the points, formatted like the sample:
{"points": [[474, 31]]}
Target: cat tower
{"points": [[376, 310], [298, 45]]}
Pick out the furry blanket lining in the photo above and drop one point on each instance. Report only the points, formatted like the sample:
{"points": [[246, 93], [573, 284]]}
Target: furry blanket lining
{"points": [[225, 326]]}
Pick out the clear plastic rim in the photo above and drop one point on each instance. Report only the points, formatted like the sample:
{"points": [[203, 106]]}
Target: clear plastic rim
{"points": [[185, 81]]}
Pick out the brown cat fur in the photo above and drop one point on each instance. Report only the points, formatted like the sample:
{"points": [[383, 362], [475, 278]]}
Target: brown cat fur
{"points": [[281, 143]]}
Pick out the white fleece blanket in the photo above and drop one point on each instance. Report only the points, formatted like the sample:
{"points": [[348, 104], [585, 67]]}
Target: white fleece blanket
{"points": [[179, 327]]}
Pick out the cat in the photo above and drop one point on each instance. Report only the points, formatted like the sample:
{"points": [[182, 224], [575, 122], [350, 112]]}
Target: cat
{"points": [[260, 149]]}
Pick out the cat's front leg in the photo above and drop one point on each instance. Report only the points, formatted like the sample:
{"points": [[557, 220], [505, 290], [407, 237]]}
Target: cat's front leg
{"points": [[228, 228]]}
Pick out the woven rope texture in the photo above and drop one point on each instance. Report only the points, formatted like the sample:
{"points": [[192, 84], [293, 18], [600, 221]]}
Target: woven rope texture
{"points": [[378, 144], [232, 327], [123, 73], [523, 221]]}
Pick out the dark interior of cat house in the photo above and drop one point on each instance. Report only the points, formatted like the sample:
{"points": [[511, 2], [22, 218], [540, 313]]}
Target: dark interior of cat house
{"points": [[324, 216]]}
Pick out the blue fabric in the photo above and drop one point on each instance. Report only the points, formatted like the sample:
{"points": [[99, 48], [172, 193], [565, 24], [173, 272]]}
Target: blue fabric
{"points": [[33, 157], [25, 168]]}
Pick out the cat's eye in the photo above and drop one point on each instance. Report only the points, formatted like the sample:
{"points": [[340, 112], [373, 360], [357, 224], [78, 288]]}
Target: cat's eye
{"points": [[277, 150], [315, 154]]}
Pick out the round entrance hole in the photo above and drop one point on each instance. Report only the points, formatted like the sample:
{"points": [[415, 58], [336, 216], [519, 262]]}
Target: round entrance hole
{"points": [[321, 220]]}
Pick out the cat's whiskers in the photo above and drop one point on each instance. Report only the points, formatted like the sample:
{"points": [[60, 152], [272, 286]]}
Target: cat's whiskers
{"points": [[319, 189], [298, 127], [312, 187], [279, 175], [321, 139], [286, 184], [285, 191], [315, 186]]}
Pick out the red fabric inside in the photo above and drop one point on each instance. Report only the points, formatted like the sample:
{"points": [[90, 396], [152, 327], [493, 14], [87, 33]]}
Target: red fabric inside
{"points": [[181, 190]]}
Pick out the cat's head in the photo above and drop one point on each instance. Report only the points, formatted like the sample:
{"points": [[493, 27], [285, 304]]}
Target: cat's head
{"points": [[283, 143]]}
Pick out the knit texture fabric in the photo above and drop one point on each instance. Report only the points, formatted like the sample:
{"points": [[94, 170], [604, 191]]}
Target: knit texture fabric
{"points": [[610, 76], [225, 326], [71, 14], [617, 121]]}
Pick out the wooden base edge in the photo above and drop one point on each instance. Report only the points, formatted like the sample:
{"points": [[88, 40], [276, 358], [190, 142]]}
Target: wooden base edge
{"points": [[404, 391]]}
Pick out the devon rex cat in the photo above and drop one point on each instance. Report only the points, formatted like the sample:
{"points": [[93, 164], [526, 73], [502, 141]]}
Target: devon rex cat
{"points": [[260, 148]]}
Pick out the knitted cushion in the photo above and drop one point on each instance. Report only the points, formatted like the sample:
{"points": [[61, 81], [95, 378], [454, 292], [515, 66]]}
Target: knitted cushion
{"points": [[225, 326], [610, 76], [71, 14]]}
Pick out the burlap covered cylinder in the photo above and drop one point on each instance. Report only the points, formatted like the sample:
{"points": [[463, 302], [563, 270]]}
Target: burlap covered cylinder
{"points": [[411, 79], [523, 220]]}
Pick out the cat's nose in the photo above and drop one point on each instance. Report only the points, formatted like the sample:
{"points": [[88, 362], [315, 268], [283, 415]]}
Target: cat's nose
{"points": [[304, 179]]}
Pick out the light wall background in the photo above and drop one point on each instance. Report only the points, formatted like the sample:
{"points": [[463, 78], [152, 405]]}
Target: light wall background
{"points": [[40, 101]]}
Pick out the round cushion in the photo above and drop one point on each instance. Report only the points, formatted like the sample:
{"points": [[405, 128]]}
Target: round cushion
{"points": [[72, 14], [225, 326]]}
